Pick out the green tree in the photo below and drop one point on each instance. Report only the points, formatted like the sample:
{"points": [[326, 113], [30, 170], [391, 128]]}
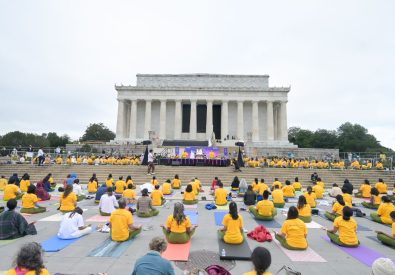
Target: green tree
{"points": [[301, 137], [355, 138], [55, 140], [17, 138], [324, 139], [99, 132]]}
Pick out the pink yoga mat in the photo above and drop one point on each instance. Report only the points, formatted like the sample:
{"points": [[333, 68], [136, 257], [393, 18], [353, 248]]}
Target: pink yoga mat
{"points": [[98, 218], [190, 206], [177, 252]]}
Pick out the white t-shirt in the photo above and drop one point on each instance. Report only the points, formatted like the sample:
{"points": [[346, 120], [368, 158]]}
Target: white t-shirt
{"points": [[68, 225], [150, 157], [77, 189], [40, 153], [107, 204]]}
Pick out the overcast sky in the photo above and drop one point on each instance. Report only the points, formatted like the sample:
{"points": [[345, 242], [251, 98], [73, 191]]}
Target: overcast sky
{"points": [[59, 60]]}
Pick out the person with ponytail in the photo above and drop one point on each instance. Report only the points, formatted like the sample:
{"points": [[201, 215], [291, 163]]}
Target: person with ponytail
{"points": [[347, 228], [337, 209], [264, 209], [29, 261], [72, 225], [383, 213], [189, 196], [178, 228], [29, 202], [304, 209], [375, 199], [232, 232], [68, 200], [310, 197], [261, 259], [297, 185]]}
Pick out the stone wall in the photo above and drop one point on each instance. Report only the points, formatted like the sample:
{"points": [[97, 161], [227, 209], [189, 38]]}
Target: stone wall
{"points": [[311, 153]]}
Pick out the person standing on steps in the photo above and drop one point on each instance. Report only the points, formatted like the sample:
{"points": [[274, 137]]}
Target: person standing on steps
{"points": [[151, 165]]}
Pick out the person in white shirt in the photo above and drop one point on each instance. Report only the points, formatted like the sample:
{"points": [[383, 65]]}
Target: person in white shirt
{"points": [[107, 203], [40, 156], [57, 150], [151, 165], [335, 191], [72, 225], [77, 189]]}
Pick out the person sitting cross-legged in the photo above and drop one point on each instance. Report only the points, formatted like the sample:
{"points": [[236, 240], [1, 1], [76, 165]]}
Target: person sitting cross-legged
{"points": [[176, 184], [189, 195], [12, 191], [264, 209], [77, 189], [144, 205], [347, 228], [297, 185], [278, 197], [310, 197], [387, 238], [288, 190], [108, 203], [242, 188], [178, 228], [100, 192], [157, 197], [249, 196], [232, 232], [166, 188], [365, 190], [72, 225], [304, 209], [383, 213], [337, 209], [121, 223], [68, 200], [221, 195], [92, 185], [129, 194], [375, 199], [261, 259], [318, 190], [293, 232], [29, 202]]}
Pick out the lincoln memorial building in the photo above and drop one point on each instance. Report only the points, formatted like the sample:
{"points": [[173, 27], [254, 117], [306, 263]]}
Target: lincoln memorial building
{"points": [[203, 107]]}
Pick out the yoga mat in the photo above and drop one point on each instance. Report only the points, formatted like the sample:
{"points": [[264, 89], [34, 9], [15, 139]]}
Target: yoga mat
{"points": [[55, 244], [138, 220], [268, 224], [98, 218], [53, 218], [26, 214], [219, 216], [222, 207], [234, 251], [109, 248], [313, 225], [361, 253], [169, 195], [193, 216], [190, 206], [5, 242], [177, 252], [308, 255], [292, 200]]}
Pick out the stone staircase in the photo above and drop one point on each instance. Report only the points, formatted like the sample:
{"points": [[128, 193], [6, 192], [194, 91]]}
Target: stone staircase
{"points": [[205, 174]]}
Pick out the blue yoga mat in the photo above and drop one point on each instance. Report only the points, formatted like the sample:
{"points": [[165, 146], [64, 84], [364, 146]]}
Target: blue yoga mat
{"points": [[268, 224], [109, 248], [55, 244], [219, 216], [193, 216]]}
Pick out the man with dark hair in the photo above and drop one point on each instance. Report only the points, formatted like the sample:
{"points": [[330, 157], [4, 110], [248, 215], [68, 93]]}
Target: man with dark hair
{"points": [[151, 165], [121, 223]]}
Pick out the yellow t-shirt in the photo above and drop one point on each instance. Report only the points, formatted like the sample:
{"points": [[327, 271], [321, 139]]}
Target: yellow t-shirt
{"points": [[384, 212], [220, 196], [295, 231], [254, 273], [376, 199], [154, 182], [28, 200], [365, 189], [129, 182], [109, 182], [233, 229], [262, 188], [347, 230], [277, 183], [319, 191], [129, 194], [297, 185], [381, 187], [24, 184], [178, 228], [10, 192], [156, 196], [289, 191], [195, 187], [189, 196], [120, 186], [347, 199], [120, 220], [321, 183], [3, 183], [338, 208], [92, 187], [255, 186], [166, 188], [305, 211], [176, 183], [68, 203], [393, 229], [278, 196], [31, 272], [310, 199], [199, 183], [265, 208]]}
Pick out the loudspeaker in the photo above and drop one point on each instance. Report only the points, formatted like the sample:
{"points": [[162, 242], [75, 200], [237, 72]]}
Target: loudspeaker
{"points": [[147, 142], [239, 143]]}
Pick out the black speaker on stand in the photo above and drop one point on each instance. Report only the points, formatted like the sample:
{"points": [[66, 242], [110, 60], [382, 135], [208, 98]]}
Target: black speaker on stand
{"points": [[145, 159]]}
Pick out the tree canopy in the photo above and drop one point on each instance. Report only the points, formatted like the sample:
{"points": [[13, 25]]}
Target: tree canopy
{"points": [[97, 132], [17, 138]]}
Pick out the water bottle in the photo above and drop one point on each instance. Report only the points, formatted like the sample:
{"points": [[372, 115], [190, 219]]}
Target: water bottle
{"points": [[223, 253]]}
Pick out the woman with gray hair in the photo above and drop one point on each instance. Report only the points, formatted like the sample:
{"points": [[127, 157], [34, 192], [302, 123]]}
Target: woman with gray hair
{"points": [[152, 262], [29, 260], [178, 227], [242, 187]]}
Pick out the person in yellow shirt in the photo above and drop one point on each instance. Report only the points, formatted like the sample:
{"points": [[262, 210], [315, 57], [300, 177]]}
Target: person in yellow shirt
{"points": [[11, 191], [384, 211], [130, 181], [293, 232], [154, 181], [59, 160], [129, 194], [310, 197], [120, 186], [92, 185], [178, 228], [232, 232], [110, 181], [261, 259], [29, 261], [381, 186], [387, 238], [337, 208], [364, 190], [304, 209], [288, 190], [198, 184], [166, 188], [297, 185], [278, 197], [68, 200], [221, 195], [195, 186], [347, 197], [318, 190], [157, 197], [3, 182], [321, 183], [276, 182], [375, 199], [347, 228], [264, 209], [176, 184], [121, 223], [262, 186], [255, 185], [189, 196], [29, 202], [51, 181], [25, 182]]}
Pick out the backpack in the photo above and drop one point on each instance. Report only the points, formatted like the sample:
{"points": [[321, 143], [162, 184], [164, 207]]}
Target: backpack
{"points": [[210, 206], [217, 270]]}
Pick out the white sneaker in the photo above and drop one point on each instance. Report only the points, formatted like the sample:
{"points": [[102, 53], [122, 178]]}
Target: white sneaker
{"points": [[148, 174]]}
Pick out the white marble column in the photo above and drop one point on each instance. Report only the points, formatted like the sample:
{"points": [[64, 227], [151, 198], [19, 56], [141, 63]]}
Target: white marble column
{"points": [[192, 121], [209, 119], [177, 120], [162, 128], [147, 119], [224, 119], [270, 121], [133, 120], [283, 121], [240, 120], [255, 121], [121, 119]]}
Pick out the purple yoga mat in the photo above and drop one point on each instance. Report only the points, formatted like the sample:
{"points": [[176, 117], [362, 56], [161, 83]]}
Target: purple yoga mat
{"points": [[361, 253]]}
